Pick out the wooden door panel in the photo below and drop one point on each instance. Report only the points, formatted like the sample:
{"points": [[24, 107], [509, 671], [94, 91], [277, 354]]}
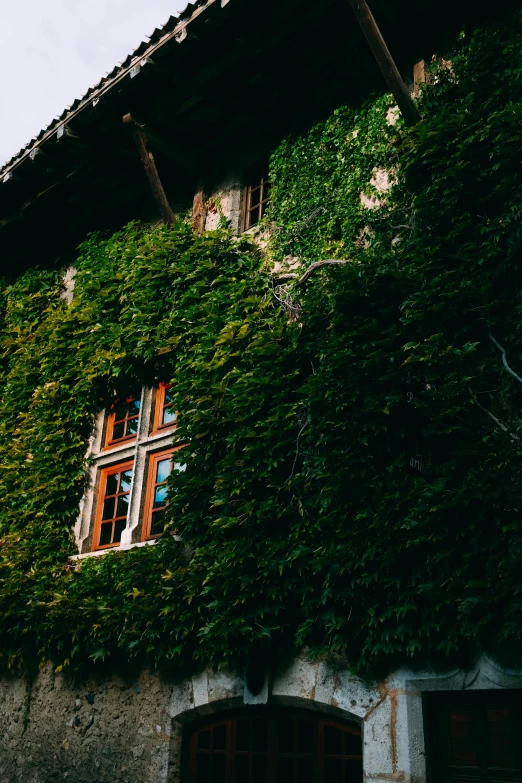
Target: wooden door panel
{"points": [[474, 737]]}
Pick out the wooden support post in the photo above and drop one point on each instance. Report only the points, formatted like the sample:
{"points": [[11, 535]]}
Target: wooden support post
{"points": [[385, 60], [151, 171], [199, 211], [419, 76]]}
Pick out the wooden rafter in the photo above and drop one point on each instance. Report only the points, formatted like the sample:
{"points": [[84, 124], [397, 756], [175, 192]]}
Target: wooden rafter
{"points": [[149, 164], [385, 61]]}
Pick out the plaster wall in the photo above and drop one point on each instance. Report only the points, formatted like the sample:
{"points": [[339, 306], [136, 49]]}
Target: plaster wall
{"points": [[225, 201]]}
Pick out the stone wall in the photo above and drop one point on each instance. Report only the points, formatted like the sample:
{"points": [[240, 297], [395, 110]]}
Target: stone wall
{"points": [[88, 732], [131, 731]]}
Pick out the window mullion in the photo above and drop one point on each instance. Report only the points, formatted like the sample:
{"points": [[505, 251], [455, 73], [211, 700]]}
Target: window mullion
{"points": [[133, 516]]}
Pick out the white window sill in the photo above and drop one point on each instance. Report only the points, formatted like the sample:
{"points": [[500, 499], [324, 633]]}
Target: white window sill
{"points": [[121, 548]]}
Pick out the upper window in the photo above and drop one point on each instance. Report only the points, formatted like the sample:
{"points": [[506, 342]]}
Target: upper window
{"points": [[165, 416], [256, 197], [122, 423], [276, 748]]}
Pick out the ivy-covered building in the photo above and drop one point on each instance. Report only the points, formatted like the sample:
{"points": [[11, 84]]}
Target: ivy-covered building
{"points": [[260, 430]]}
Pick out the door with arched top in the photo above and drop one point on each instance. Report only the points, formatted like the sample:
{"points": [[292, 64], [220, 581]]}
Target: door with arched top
{"points": [[276, 747]]}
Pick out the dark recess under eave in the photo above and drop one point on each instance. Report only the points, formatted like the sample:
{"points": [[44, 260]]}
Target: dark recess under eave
{"points": [[246, 76]]}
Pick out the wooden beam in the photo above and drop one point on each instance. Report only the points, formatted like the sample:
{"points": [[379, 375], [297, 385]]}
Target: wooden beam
{"points": [[151, 171], [385, 61], [419, 76]]}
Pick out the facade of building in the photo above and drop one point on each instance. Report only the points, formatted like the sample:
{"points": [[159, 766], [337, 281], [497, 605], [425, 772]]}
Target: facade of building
{"points": [[296, 721]]}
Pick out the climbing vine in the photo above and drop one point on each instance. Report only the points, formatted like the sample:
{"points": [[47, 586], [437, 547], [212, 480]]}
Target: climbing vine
{"points": [[301, 525]]}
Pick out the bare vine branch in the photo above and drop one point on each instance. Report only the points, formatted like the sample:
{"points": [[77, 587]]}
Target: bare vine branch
{"points": [[504, 358], [284, 297], [305, 425], [492, 416], [311, 269]]}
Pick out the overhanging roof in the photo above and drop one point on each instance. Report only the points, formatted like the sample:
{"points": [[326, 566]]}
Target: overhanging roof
{"points": [[174, 30], [216, 88]]}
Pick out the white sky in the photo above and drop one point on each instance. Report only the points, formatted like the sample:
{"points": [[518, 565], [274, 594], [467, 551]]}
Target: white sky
{"points": [[52, 51]]}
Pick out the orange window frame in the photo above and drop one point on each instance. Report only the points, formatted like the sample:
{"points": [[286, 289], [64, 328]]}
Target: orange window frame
{"points": [[105, 473], [159, 410], [253, 214], [110, 440], [152, 485]]}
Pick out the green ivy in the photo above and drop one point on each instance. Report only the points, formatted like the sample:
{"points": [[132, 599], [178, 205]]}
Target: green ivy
{"points": [[301, 526]]}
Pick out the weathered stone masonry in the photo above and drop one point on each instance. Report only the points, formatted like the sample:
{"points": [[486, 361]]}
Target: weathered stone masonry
{"points": [[116, 731]]}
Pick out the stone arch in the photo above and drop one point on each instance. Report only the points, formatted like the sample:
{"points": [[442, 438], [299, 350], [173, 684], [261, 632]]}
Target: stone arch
{"points": [[301, 684]]}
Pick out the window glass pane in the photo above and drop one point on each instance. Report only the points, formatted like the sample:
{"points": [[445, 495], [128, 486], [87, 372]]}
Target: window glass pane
{"points": [[168, 396], [203, 768], [260, 736], [334, 771], [333, 741], [132, 427], [106, 533], [352, 744], [111, 486], [218, 768], [462, 746], [242, 769], [120, 411], [160, 496], [204, 740], [169, 416], [126, 478], [158, 523], [243, 735], [353, 771], [219, 739], [255, 196], [253, 217], [285, 770], [108, 509], [118, 431], [163, 470], [123, 506], [119, 527], [259, 767], [305, 737], [286, 736], [305, 770], [134, 408], [501, 740]]}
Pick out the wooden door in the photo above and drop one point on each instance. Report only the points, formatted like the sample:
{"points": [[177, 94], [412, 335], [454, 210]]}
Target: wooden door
{"points": [[474, 737]]}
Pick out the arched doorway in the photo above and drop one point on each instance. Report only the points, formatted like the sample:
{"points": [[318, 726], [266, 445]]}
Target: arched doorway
{"points": [[275, 747]]}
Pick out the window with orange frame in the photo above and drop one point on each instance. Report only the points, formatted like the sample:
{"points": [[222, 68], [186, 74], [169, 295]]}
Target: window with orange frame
{"points": [[123, 421], [160, 468], [165, 417], [113, 505]]}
